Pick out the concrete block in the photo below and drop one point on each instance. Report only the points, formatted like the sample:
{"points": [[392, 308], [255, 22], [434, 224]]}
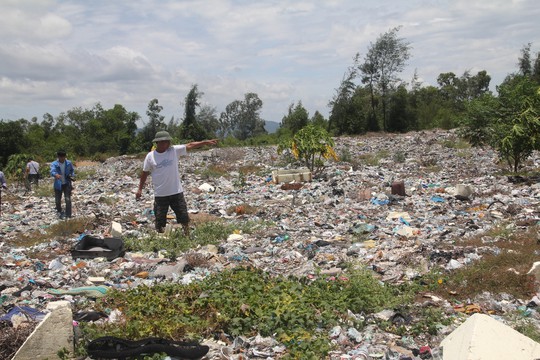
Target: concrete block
{"points": [[464, 191], [116, 229], [481, 337], [53, 334], [297, 175]]}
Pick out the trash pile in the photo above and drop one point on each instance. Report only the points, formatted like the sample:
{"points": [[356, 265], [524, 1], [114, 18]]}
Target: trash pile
{"points": [[392, 202]]}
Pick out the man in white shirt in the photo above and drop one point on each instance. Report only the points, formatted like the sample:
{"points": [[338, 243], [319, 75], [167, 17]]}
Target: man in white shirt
{"points": [[32, 171], [162, 163]]}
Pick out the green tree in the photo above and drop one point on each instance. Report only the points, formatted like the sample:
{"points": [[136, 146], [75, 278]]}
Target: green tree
{"points": [[401, 117], [516, 132], [457, 91], [190, 129], [296, 118], [318, 120], [348, 114], [529, 66], [155, 124], [12, 139], [479, 118], [310, 145], [383, 62], [241, 119], [208, 119]]}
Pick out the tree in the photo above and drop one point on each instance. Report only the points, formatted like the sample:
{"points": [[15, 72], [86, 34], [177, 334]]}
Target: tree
{"points": [[524, 62], [296, 118], [347, 114], [318, 120], [516, 131], [383, 62], [190, 128], [400, 119], [207, 118], [477, 123], [310, 145], [154, 124], [527, 66], [241, 119], [11, 138]]}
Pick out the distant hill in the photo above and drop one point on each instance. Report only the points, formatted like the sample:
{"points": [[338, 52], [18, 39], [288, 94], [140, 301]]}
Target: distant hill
{"points": [[271, 126]]}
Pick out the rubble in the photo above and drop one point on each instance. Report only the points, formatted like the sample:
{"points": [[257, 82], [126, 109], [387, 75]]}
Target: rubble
{"points": [[394, 216]]}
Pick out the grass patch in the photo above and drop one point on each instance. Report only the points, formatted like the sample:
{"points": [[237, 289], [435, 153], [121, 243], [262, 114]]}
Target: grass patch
{"points": [[374, 159], [464, 154], [502, 269], [250, 169], [528, 328], [399, 157], [205, 233], [44, 189], [453, 143], [88, 173], [60, 229], [213, 171]]}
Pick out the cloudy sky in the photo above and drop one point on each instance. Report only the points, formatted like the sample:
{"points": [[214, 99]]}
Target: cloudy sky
{"points": [[57, 54]]}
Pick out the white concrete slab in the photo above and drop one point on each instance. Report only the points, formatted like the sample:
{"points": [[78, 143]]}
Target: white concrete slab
{"points": [[482, 337]]}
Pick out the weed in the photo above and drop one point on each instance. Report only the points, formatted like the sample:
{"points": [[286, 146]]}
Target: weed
{"points": [[528, 328], [214, 171], [345, 155], [464, 154], [454, 143], [240, 181], [399, 157], [374, 159], [87, 173], [246, 301], [503, 268], [250, 169], [108, 200], [205, 233], [44, 189], [63, 228]]}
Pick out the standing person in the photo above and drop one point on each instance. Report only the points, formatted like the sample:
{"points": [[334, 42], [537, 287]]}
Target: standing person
{"points": [[3, 185], [63, 173], [3, 182], [162, 163], [32, 171]]}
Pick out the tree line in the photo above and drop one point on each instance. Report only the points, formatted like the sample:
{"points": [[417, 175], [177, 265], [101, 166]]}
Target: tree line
{"points": [[370, 97]]}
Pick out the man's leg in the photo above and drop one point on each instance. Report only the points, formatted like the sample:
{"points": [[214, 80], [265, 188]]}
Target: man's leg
{"points": [[179, 206], [161, 206], [58, 201], [67, 198]]}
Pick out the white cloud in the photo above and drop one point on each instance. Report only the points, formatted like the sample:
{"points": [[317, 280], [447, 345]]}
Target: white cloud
{"points": [[57, 54]]}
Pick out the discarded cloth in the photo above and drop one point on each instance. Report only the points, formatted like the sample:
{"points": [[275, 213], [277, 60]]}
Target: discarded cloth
{"points": [[110, 347], [30, 313], [89, 291]]}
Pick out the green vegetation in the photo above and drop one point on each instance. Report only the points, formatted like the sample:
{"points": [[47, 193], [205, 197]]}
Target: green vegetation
{"points": [[246, 301], [310, 145], [208, 232]]}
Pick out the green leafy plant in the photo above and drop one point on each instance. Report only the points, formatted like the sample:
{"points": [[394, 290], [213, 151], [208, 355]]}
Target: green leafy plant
{"points": [[310, 145], [247, 301]]}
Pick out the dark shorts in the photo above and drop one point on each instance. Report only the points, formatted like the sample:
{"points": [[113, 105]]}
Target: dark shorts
{"points": [[177, 203]]}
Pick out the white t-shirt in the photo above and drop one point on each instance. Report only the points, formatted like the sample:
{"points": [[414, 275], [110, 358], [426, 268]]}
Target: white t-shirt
{"points": [[33, 167], [164, 170]]}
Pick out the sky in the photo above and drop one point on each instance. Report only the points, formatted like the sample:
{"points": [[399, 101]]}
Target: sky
{"points": [[56, 55]]}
